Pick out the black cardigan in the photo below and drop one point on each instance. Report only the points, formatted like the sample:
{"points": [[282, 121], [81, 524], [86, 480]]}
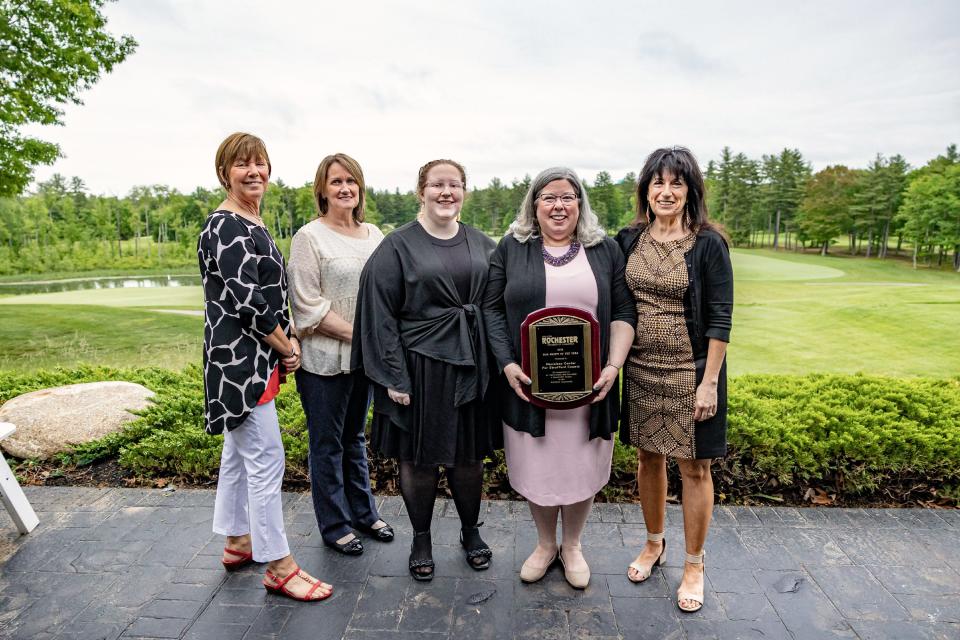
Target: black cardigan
{"points": [[517, 286], [708, 301]]}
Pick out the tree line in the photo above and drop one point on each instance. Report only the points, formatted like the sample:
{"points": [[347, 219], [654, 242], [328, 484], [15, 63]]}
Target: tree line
{"points": [[776, 201]]}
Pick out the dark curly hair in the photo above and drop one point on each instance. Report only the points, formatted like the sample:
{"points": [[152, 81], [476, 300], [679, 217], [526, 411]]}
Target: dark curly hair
{"points": [[680, 162]]}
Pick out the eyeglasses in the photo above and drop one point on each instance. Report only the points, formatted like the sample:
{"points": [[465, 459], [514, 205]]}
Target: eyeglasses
{"points": [[440, 186], [550, 199]]}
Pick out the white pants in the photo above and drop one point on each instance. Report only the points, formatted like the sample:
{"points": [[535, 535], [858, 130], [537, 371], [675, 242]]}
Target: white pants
{"points": [[248, 491]]}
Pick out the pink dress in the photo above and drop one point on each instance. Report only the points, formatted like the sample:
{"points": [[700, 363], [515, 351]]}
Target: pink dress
{"points": [[564, 466]]}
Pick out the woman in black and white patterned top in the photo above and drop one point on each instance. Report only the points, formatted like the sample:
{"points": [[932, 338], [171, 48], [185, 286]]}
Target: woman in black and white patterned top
{"points": [[245, 351]]}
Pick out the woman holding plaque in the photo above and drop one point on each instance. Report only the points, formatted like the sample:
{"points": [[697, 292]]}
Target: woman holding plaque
{"points": [[675, 404], [557, 254], [421, 342]]}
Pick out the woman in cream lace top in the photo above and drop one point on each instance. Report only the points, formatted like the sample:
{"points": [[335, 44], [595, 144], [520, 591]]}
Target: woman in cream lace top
{"points": [[326, 258]]}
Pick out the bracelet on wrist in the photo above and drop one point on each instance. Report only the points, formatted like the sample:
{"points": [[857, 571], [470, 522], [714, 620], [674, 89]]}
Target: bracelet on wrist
{"points": [[617, 367]]}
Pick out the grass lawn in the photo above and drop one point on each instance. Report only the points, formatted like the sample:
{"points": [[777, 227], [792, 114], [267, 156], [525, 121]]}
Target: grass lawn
{"points": [[154, 297], [190, 270], [44, 336], [844, 315], [794, 313]]}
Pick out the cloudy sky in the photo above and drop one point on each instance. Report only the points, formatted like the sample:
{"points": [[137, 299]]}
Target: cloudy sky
{"points": [[509, 87]]}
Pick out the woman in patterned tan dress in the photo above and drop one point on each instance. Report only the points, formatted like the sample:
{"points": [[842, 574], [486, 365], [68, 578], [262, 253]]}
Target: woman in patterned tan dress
{"points": [[678, 269]]}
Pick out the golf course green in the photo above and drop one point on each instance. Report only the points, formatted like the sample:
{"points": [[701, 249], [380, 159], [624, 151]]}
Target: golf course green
{"points": [[795, 313]]}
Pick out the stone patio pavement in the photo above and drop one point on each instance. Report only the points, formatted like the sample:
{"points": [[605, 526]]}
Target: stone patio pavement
{"points": [[129, 563]]}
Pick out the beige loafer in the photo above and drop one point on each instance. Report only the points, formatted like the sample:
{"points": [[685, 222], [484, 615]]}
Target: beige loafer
{"points": [[578, 578], [530, 572]]}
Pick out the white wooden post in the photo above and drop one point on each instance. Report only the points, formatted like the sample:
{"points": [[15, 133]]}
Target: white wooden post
{"points": [[13, 499]]}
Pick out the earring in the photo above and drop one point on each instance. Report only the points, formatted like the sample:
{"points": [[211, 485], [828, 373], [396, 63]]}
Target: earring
{"points": [[649, 217]]}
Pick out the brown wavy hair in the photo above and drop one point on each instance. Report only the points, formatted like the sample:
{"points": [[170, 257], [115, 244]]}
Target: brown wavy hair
{"points": [[320, 181]]}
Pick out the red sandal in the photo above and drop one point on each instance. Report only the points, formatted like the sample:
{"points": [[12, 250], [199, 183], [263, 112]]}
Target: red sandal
{"points": [[242, 559], [280, 587]]}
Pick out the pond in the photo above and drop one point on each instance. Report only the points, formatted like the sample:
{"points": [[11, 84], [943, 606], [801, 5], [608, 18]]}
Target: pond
{"points": [[112, 282]]}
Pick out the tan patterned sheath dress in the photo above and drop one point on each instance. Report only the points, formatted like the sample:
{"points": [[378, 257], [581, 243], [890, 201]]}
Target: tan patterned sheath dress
{"points": [[659, 375]]}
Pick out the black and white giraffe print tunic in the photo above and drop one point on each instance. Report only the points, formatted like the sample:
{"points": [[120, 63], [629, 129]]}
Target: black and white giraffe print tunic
{"points": [[245, 298]]}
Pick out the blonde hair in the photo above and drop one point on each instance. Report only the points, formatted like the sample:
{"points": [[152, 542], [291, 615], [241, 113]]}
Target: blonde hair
{"points": [[236, 146], [320, 182]]}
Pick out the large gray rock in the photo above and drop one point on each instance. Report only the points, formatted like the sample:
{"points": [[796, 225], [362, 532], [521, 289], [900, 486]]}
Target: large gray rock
{"points": [[51, 420]]}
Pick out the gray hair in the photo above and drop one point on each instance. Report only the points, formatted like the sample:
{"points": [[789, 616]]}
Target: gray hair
{"points": [[524, 227]]}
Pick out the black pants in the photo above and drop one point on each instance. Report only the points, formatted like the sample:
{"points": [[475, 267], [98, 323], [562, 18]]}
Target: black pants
{"points": [[336, 411]]}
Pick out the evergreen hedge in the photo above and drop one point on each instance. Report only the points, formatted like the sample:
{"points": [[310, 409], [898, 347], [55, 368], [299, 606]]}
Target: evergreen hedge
{"points": [[833, 438]]}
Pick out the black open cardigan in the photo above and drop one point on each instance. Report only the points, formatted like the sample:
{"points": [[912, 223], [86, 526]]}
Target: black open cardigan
{"points": [[516, 286]]}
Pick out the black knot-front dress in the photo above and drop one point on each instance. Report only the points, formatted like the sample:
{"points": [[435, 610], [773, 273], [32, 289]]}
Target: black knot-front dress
{"points": [[418, 330]]}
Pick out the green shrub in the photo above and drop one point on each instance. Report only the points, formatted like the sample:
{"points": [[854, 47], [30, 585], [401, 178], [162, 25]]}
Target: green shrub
{"points": [[856, 437]]}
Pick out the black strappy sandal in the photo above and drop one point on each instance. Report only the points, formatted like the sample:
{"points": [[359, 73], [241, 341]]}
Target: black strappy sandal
{"points": [[421, 557], [477, 552]]}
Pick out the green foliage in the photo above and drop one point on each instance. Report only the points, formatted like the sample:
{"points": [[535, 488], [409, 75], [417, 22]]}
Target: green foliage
{"points": [[877, 197], [607, 201], [857, 436], [50, 51], [785, 177], [733, 194], [825, 211], [61, 227], [931, 209]]}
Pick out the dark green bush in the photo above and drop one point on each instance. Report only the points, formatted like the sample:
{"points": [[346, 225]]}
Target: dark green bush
{"points": [[851, 435], [854, 437]]}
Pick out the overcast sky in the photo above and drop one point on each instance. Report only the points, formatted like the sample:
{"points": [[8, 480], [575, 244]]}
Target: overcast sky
{"points": [[511, 87]]}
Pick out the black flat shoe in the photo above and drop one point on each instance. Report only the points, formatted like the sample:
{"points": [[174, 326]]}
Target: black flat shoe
{"points": [[352, 547], [383, 534], [421, 557], [476, 550]]}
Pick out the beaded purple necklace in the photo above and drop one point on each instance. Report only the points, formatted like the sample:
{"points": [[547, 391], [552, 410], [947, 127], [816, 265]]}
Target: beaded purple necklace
{"points": [[559, 261]]}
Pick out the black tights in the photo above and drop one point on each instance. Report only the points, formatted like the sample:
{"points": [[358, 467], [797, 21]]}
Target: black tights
{"points": [[418, 485]]}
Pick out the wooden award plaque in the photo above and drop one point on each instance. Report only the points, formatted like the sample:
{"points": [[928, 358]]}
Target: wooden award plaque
{"points": [[561, 355]]}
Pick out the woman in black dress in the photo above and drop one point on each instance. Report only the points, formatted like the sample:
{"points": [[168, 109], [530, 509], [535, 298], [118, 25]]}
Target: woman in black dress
{"points": [[419, 338], [247, 345], [674, 389]]}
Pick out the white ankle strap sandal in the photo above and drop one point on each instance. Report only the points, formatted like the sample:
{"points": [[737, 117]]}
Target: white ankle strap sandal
{"points": [[695, 597], [644, 570]]}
